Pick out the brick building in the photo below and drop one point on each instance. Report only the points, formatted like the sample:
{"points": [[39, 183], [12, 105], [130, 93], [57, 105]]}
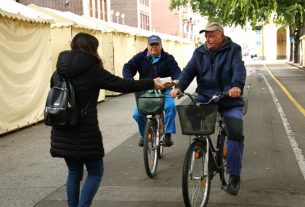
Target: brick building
{"points": [[152, 15], [136, 13], [183, 22], [94, 8], [164, 20]]}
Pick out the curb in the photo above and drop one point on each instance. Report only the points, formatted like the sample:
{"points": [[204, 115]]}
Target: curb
{"points": [[296, 65]]}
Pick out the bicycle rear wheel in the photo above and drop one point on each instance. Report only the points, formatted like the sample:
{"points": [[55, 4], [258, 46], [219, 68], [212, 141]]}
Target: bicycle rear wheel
{"points": [[150, 150], [196, 178]]}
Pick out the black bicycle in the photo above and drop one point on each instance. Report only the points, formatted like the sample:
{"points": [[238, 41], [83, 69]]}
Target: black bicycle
{"points": [[202, 160], [151, 103]]}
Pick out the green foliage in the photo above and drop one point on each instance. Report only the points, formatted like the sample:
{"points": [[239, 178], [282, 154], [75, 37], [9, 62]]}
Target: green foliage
{"points": [[256, 12]]}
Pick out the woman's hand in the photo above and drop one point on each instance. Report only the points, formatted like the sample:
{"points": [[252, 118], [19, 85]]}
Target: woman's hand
{"points": [[157, 84]]}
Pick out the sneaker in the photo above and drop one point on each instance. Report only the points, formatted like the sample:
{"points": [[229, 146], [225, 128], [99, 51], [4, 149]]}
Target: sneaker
{"points": [[141, 142], [168, 140], [233, 185]]}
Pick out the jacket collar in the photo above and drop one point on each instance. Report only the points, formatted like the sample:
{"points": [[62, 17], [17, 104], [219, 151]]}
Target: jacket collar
{"points": [[144, 53]]}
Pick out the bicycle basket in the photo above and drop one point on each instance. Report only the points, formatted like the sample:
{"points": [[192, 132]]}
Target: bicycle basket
{"points": [[150, 102], [197, 120]]}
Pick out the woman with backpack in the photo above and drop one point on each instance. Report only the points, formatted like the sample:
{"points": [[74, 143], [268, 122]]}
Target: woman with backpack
{"points": [[82, 145]]}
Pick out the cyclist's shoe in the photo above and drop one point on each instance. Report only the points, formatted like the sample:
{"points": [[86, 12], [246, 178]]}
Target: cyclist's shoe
{"points": [[168, 140], [141, 142], [233, 185]]}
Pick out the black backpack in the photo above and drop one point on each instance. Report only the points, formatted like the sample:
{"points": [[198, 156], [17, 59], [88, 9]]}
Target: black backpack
{"points": [[61, 108]]}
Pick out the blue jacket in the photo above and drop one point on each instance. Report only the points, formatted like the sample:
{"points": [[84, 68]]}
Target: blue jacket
{"points": [[216, 72], [165, 67]]}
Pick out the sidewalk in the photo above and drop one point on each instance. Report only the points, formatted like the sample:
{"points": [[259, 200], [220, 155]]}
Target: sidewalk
{"points": [[257, 62], [28, 173]]}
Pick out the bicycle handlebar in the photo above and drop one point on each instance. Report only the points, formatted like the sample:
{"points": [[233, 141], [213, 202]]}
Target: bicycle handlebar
{"points": [[215, 98]]}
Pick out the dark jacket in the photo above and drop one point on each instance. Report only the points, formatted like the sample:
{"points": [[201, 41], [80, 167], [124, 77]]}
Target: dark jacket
{"points": [[87, 76], [216, 72], [165, 67]]}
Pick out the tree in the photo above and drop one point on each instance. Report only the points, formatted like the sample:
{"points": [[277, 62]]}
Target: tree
{"points": [[257, 12]]}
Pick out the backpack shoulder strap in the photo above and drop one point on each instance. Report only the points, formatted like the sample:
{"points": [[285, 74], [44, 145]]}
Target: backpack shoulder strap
{"points": [[85, 109]]}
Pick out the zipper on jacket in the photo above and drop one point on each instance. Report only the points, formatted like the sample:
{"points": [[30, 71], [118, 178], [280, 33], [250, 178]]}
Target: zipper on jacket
{"points": [[213, 68]]}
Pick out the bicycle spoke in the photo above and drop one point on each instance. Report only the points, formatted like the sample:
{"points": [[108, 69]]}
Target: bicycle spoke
{"points": [[196, 185]]}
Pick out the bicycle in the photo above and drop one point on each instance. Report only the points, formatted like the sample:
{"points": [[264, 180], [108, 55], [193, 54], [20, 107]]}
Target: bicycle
{"points": [[151, 103], [202, 160]]}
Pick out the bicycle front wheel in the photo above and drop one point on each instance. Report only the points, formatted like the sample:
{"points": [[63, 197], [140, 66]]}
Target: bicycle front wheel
{"points": [[160, 149], [221, 158], [161, 136], [150, 150], [196, 178]]}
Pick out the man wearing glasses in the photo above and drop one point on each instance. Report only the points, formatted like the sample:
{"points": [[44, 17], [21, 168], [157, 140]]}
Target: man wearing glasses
{"points": [[154, 62]]}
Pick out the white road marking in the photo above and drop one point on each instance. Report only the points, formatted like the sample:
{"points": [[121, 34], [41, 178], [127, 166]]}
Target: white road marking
{"points": [[290, 134]]}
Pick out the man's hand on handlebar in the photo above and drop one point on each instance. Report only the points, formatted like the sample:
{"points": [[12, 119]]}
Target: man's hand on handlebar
{"points": [[234, 92]]}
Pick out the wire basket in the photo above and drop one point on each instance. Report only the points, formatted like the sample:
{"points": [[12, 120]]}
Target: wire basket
{"points": [[197, 120], [150, 102]]}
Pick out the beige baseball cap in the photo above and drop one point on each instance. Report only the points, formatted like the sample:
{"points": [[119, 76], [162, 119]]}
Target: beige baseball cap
{"points": [[212, 26]]}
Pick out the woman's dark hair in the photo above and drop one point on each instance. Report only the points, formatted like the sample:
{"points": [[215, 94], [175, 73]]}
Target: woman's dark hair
{"points": [[86, 43]]}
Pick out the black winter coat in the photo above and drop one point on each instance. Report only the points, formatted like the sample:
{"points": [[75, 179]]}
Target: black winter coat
{"points": [[87, 76]]}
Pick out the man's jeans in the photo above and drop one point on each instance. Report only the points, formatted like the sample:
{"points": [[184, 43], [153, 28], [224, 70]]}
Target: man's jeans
{"points": [[95, 171], [233, 119], [170, 114]]}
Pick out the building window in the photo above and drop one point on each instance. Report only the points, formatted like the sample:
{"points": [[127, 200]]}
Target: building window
{"points": [[103, 9], [144, 2], [90, 8], [98, 9], [144, 21]]}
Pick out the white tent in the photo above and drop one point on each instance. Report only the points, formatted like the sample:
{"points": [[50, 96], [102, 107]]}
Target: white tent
{"points": [[25, 65]]}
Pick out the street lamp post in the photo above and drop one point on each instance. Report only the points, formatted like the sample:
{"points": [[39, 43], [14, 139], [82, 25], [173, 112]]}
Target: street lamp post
{"points": [[111, 15], [117, 14], [123, 18]]}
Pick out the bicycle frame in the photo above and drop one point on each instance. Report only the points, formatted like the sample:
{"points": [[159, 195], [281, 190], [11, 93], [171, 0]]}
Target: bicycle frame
{"points": [[204, 158], [210, 146], [159, 118]]}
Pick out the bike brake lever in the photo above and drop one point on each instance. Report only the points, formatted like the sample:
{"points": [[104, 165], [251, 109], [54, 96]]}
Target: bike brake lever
{"points": [[180, 95]]}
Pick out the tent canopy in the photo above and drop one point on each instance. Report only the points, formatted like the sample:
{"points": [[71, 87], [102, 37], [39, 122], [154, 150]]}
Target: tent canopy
{"points": [[18, 11], [59, 21], [78, 21]]}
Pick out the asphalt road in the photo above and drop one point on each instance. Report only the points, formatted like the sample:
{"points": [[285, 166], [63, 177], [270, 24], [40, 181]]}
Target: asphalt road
{"points": [[273, 167]]}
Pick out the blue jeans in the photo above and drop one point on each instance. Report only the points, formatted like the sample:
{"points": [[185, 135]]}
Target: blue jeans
{"points": [[169, 119], [95, 169]]}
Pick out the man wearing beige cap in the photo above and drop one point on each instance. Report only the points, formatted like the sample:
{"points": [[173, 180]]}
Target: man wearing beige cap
{"points": [[218, 67]]}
